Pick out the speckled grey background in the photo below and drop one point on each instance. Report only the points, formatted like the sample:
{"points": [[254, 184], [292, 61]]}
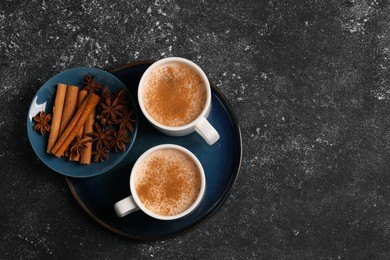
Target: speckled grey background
{"points": [[308, 80]]}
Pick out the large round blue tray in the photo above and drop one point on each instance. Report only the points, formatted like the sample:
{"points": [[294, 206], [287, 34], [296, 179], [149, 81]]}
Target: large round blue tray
{"points": [[221, 163]]}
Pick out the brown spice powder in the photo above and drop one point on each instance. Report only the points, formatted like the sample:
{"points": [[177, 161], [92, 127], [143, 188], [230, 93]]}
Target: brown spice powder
{"points": [[169, 183], [175, 94]]}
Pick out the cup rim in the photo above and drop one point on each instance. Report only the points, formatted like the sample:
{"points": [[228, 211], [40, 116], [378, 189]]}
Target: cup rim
{"points": [[140, 93], [134, 172]]}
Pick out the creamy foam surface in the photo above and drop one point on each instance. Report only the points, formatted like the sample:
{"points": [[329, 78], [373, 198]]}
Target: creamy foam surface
{"points": [[175, 94], [168, 182]]}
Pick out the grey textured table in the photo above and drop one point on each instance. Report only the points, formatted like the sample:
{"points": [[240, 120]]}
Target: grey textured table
{"points": [[308, 80]]}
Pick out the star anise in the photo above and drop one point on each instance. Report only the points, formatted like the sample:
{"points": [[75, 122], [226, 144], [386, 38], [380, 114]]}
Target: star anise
{"points": [[100, 154], [42, 122], [121, 96], [121, 138], [106, 93], [110, 110], [126, 121], [78, 145], [90, 85], [102, 136]]}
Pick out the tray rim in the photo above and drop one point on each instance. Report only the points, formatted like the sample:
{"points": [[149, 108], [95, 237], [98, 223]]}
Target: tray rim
{"points": [[215, 209]]}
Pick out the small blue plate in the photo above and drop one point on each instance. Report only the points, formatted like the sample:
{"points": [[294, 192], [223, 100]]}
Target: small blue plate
{"points": [[44, 100], [221, 163]]}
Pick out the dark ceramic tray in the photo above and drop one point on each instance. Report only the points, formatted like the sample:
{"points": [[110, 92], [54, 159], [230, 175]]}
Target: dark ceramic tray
{"points": [[221, 163]]}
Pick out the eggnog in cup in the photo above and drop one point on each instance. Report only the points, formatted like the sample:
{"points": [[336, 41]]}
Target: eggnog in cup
{"points": [[174, 95], [167, 182]]}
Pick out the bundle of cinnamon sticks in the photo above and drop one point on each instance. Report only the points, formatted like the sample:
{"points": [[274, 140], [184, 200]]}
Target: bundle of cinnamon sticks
{"points": [[73, 116]]}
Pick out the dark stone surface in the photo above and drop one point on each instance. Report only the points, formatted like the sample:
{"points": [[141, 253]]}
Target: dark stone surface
{"points": [[310, 84]]}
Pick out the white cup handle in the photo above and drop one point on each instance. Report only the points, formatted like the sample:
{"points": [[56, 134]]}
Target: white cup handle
{"points": [[125, 206], [207, 131]]}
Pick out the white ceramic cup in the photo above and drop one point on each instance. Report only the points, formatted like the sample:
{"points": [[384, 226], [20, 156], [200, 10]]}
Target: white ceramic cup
{"points": [[200, 124], [133, 203]]}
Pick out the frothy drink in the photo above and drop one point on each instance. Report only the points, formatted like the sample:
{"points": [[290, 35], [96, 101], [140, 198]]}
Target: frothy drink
{"points": [[175, 94], [168, 182]]}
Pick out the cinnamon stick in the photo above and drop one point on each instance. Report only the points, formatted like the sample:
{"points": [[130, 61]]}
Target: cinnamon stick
{"points": [[69, 106], [80, 99], [57, 115], [86, 155], [75, 124]]}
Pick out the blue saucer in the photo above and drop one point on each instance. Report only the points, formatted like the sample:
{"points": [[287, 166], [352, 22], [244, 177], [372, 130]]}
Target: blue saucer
{"points": [[221, 163], [44, 101]]}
